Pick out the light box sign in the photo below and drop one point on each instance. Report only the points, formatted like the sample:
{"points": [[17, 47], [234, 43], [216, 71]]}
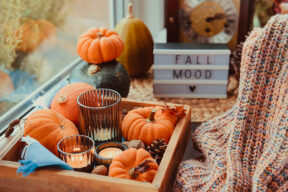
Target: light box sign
{"points": [[180, 66]]}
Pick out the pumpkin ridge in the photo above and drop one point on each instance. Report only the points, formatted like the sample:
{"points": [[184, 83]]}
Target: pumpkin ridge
{"points": [[114, 48], [84, 48], [118, 170], [132, 35], [144, 54], [131, 125], [47, 139], [99, 44], [145, 133], [134, 127], [137, 131], [33, 116], [91, 51], [107, 46], [142, 156], [35, 122], [158, 134], [111, 33], [40, 132], [80, 42], [121, 176], [88, 49], [128, 158], [128, 120], [119, 163], [35, 119], [118, 41]]}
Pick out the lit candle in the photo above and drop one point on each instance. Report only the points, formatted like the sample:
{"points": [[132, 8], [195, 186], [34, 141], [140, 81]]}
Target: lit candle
{"points": [[77, 160], [110, 152]]}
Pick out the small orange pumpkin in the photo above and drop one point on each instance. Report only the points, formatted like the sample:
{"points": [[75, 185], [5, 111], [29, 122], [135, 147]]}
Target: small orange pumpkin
{"points": [[65, 100], [99, 45], [134, 164], [33, 32], [49, 127], [148, 123]]}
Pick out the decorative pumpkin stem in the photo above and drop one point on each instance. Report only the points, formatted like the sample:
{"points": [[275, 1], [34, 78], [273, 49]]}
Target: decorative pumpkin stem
{"points": [[93, 69], [62, 99], [99, 35], [151, 115], [130, 11], [141, 168]]}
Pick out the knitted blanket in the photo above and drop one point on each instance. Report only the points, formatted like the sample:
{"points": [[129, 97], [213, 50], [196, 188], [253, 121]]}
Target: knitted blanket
{"points": [[246, 149]]}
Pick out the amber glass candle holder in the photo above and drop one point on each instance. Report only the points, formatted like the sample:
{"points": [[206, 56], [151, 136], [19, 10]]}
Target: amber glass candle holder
{"points": [[102, 152], [100, 115], [78, 151]]}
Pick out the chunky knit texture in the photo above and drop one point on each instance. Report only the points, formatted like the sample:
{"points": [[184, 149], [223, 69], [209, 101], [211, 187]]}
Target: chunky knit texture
{"points": [[246, 149]]}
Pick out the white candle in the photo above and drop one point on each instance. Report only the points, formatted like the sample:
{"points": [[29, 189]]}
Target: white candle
{"points": [[110, 152]]}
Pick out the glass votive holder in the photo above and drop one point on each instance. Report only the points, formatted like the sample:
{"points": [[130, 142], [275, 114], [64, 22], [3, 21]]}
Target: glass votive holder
{"points": [[78, 151], [105, 152], [100, 115]]}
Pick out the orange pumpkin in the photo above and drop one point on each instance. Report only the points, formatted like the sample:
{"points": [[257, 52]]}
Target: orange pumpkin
{"points": [[65, 100], [99, 45], [33, 32], [147, 124], [49, 127], [6, 84], [134, 164]]}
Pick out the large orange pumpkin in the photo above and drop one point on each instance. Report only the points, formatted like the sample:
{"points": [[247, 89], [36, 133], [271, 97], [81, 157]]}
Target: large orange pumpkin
{"points": [[49, 127], [148, 123], [134, 164], [6, 84], [65, 100], [99, 45], [33, 32]]}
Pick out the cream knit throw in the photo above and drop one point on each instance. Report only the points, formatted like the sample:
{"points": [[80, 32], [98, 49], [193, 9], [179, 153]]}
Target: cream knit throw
{"points": [[246, 149]]}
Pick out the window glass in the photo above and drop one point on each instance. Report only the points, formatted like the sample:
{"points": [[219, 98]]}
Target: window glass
{"points": [[38, 39]]}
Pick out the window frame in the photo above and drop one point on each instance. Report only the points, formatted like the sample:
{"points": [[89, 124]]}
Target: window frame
{"points": [[117, 10]]}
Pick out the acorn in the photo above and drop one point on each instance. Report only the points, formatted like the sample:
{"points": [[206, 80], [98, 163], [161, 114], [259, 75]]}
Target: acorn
{"points": [[137, 144], [100, 170]]}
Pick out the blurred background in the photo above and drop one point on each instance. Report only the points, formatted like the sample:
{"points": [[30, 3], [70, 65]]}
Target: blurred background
{"points": [[38, 38]]}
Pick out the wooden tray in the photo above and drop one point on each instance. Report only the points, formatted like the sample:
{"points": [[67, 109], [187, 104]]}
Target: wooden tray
{"points": [[62, 180]]}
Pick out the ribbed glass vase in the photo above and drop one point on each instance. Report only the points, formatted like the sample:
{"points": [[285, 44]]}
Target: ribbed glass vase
{"points": [[100, 115]]}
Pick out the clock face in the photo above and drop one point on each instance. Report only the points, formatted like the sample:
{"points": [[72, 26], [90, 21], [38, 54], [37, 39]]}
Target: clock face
{"points": [[208, 21]]}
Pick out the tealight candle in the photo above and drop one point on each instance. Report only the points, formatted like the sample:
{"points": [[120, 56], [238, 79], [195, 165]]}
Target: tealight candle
{"points": [[110, 152], [77, 151], [77, 160], [105, 152]]}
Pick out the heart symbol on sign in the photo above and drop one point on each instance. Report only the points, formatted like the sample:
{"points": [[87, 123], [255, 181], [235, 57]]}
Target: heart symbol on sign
{"points": [[192, 88]]}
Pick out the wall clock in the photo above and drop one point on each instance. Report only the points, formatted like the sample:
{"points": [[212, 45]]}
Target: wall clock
{"points": [[208, 21]]}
